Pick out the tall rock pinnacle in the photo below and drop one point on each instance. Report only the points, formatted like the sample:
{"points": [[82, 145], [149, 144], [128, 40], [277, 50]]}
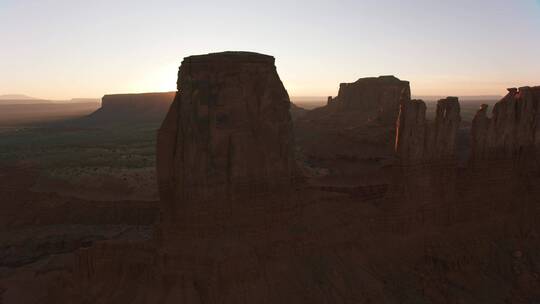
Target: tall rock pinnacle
{"points": [[420, 141]]}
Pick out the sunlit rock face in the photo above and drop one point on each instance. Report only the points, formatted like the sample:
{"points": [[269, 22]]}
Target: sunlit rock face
{"points": [[512, 131]]}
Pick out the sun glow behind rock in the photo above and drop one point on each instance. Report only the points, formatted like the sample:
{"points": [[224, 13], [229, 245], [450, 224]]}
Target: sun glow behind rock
{"points": [[162, 79]]}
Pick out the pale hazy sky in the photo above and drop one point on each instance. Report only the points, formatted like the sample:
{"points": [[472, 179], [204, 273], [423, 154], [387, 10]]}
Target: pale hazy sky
{"points": [[71, 48]]}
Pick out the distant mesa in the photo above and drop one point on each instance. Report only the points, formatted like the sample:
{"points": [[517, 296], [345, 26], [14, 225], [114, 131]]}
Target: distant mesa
{"points": [[129, 108], [377, 96], [15, 97], [355, 131]]}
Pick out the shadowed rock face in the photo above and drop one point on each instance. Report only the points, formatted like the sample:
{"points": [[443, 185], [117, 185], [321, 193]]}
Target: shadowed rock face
{"points": [[377, 95], [419, 141], [228, 133], [511, 133], [426, 152], [352, 137]]}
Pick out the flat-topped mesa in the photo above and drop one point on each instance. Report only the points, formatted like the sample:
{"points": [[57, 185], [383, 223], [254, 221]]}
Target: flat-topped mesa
{"points": [[137, 101], [132, 107], [419, 141], [379, 95], [227, 134], [511, 131]]}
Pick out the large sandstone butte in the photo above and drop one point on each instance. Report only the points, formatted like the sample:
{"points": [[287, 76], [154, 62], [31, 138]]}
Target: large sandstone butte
{"points": [[228, 134], [353, 135], [378, 96]]}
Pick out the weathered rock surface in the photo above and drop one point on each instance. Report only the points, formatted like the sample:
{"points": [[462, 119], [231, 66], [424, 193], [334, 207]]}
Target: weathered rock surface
{"points": [[227, 134], [378, 96], [354, 133], [420, 141], [511, 132]]}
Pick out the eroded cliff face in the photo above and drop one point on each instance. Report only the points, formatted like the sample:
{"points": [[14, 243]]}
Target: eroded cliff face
{"points": [[376, 95], [419, 141], [360, 125], [425, 170], [227, 135], [511, 132]]}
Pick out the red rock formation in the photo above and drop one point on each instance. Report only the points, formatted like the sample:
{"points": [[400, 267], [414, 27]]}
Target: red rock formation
{"points": [[418, 141], [225, 169], [232, 230], [511, 132], [376, 95], [227, 134], [354, 133]]}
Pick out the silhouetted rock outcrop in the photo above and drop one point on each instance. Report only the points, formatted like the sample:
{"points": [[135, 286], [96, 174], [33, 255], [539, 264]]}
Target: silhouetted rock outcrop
{"points": [[511, 132], [376, 95], [228, 133], [129, 108], [419, 141], [355, 132]]}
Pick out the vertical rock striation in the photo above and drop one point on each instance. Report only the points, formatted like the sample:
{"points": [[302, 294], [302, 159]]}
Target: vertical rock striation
{"points": [[419, 141], [228, 133], [426, 152], [225, 167], [511, 132]]}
